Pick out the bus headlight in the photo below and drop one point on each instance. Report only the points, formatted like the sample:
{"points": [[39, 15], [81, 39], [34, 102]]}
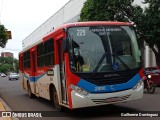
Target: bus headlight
{"points": [[138, 85], [79, 90]]}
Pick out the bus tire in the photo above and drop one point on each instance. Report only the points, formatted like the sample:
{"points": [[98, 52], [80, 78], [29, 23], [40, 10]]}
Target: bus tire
{"points": [[55, 100], [30, 94]]}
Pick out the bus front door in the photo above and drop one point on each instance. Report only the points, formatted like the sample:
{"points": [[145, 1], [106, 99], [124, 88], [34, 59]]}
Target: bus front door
{"points": [[33, 54], [62, 73]]}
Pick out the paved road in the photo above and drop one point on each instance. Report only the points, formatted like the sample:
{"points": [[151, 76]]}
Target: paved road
{"points": [[12, 93]]}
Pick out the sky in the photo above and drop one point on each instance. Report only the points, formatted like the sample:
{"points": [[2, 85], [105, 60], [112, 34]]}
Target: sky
{"points": [[22, 17]]}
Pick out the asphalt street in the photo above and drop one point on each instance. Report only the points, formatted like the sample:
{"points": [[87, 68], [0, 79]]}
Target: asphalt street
{"points": [[17, 99]]}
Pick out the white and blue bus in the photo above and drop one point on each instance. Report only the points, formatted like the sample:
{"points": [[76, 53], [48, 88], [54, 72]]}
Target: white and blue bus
{"points": [[84, 64]]}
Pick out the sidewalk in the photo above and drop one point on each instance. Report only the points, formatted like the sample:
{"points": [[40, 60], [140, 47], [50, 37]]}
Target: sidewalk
{"points": [[4, 107]]}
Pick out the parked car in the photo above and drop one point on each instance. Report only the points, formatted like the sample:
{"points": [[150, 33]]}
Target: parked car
{"points": [[13, 76], [151, 69], [155, 74], [3, 75]]}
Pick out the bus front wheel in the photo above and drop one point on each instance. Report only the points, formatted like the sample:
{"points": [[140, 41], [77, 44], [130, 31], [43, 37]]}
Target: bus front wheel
{"points": [[55, 99]]}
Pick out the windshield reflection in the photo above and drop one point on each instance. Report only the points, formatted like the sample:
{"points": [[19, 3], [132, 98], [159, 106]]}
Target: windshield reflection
{"points": [[87, 46]]}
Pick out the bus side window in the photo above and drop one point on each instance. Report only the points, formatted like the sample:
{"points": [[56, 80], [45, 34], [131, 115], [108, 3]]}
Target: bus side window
{"points": [[40, 55], [26, 61], [21, 63], [49, 52]]}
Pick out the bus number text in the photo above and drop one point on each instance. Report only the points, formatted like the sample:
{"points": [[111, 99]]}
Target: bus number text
{"points": [[100, 88], [81, 32]]}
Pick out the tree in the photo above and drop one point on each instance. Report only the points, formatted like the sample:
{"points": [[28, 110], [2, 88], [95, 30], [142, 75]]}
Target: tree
{"points": [[147, 22], [16, 65], [112, 10], [3, 36], [6, 60], [150, 27], [6, 68], [8, 64]]}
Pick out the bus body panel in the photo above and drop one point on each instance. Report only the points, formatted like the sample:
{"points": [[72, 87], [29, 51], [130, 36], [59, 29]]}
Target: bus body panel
{"points": [[42, 82], [100, 94], [108, 88], [96, 99]]}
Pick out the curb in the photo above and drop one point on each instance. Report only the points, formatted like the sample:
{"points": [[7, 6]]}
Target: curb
{"points": [[4, 107]]}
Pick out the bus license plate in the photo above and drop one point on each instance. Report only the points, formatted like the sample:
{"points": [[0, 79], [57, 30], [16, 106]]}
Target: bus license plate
{"points": [[114, 99]]}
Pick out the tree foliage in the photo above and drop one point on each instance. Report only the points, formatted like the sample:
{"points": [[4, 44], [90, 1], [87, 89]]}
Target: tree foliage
{"points": [[112, 10], [6, 60], [147, 21], [16, 65], [3, 36], [150, 27], [8, 64], [6, 68]]}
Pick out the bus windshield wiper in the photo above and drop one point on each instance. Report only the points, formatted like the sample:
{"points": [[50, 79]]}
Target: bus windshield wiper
{"points": [[102, 58], [99, 63]]}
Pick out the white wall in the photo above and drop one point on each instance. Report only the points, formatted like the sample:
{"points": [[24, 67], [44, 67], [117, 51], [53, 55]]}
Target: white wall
{"points": [[69, 13], [149, 59]]}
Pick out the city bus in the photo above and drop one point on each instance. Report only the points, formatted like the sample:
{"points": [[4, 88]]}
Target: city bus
{"points": [[84, 64]]}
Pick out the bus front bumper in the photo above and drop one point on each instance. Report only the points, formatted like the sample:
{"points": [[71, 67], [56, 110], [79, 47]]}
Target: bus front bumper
{"points": [[97, 99]]}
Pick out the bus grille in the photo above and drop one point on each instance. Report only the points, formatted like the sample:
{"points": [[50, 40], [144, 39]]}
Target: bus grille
{"points": [[111, 100], [109, 78]]}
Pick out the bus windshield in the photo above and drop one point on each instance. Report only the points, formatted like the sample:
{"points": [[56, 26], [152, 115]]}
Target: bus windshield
{"points": [[103, 48]]}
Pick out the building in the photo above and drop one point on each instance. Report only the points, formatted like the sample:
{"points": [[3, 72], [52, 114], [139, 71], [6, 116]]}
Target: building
{"points": [[6, 54], [70, 12]]}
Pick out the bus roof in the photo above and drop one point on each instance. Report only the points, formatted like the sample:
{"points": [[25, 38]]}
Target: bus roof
{"points": [[94, 23]]}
